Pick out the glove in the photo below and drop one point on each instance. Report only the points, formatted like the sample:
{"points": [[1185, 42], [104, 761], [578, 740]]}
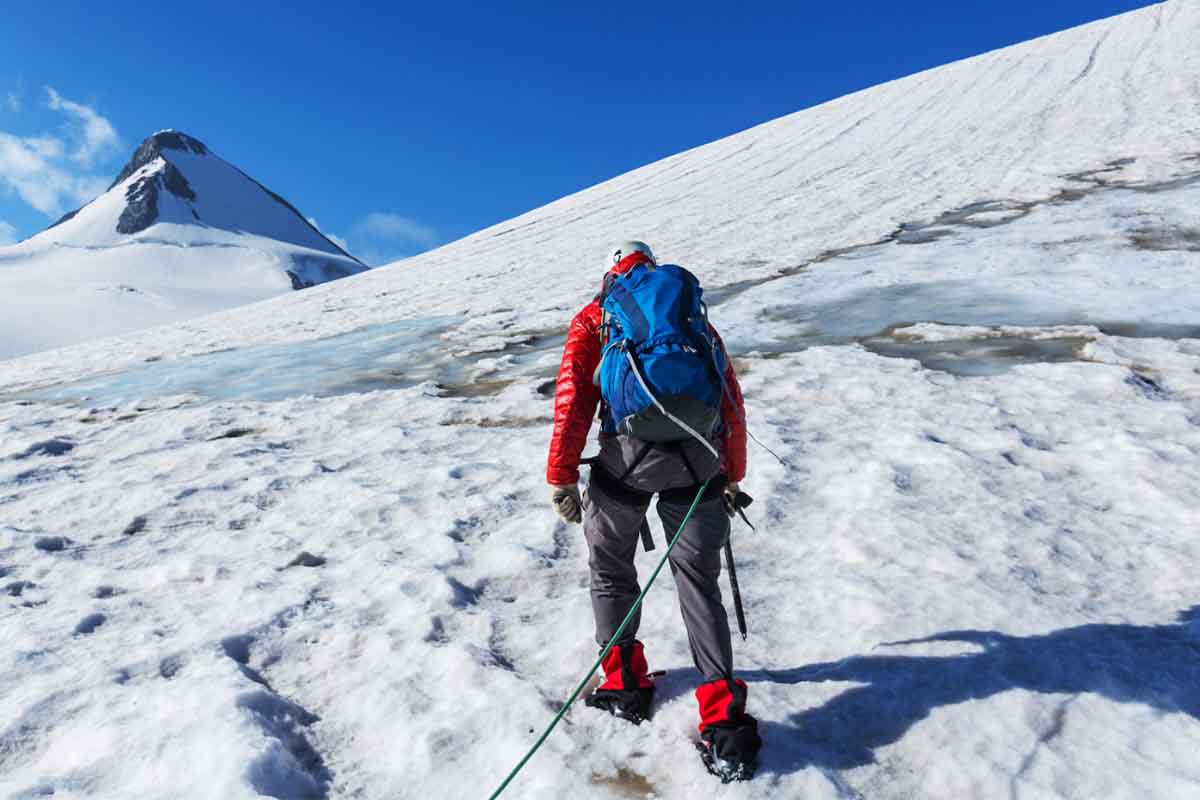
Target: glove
{"points": [[567, 503], [730, 497], [736, 501]]}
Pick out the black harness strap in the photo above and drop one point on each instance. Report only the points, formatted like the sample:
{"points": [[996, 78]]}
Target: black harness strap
{"points": [[615, 487], [684, 495], [647, 538], [611, 485]]}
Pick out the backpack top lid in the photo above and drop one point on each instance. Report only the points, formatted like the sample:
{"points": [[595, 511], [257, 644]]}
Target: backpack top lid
{"points": [[649, 303], [661, 375]]}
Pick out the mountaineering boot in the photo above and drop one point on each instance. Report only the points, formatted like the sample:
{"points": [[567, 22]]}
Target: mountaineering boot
{"points": [[729, 741], [627, 690]]}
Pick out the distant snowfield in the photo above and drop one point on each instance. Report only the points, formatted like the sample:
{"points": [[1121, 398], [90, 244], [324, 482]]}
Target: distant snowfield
{"points": [[127, 288], [964, 309]]}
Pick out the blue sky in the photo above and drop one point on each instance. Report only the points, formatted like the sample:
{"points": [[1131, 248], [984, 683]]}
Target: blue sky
{"points": [[402, 126]]}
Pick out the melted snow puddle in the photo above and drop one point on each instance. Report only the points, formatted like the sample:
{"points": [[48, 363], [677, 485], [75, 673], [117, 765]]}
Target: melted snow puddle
{"points": [[393, 356], [461, 363], [400, 355], [407, 354], [965, 355], [981, 357], [974, 351], [971, 351]]}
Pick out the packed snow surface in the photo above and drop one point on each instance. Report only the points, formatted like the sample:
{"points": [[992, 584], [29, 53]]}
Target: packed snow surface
{"points": [[305, 549]]}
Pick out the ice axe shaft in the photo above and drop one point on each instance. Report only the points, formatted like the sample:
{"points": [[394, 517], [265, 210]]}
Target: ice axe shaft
{"points": [[737, 593], [735, 505]]}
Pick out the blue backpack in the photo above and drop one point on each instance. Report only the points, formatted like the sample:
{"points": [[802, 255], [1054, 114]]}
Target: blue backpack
{"points": [[661, 375]]}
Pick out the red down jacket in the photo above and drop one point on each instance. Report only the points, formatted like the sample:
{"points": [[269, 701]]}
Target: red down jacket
{"points": [[576, 398]]}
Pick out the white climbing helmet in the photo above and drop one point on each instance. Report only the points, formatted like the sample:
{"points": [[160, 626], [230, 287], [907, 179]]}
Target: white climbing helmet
{"points": [[625, 249]]}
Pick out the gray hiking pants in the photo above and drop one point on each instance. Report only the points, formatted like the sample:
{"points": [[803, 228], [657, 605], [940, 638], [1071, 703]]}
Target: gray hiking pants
{"points": [[612, 518]]}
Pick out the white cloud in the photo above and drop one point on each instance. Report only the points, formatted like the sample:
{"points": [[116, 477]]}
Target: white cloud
{"points": [[8, 234], [45, 146], [339, 241], [45, 171], [395, 229], [95, 137], [28, 167], [381, 238], [15, 98]]}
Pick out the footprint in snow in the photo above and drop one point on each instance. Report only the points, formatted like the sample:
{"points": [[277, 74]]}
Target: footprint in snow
{"points": [[136, 526], [50, 447], [17, 588], [463, 596], [170, 666], [306, 559], [437, 632], [52, 544], [238, 647], [90, 623], [234, 433]]}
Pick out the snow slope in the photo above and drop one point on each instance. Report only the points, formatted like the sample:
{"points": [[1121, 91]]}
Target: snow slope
{"points": [[963, 308], [180, 233]]}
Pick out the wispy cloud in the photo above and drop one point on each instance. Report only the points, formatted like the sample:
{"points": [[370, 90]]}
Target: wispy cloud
{"points": [[49, 173], [396, 229], [381, 237], [27, 168], [339, 241], [94, 136], [15, 99], [8, 234]]}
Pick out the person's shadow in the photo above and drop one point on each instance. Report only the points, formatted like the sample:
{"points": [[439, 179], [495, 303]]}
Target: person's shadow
{"points": [[1158, 666]]}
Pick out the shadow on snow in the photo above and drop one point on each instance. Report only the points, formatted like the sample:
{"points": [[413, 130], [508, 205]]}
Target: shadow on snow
{"points": [[1157, 666]]}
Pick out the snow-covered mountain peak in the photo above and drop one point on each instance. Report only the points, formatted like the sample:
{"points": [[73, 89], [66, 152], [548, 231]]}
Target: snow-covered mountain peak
{"points": [[173, 178], [154, 148], [147, 246]]}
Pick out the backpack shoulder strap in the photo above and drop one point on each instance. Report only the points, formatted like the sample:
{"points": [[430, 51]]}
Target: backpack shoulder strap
{"points": [[633, 320], [602, 295]]}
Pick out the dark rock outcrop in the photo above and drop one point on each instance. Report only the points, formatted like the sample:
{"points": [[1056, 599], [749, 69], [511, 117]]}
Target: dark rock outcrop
{"points": [[153, 147], [141, 198]]}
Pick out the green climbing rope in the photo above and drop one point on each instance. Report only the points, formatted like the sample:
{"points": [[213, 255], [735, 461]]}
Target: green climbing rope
{"points": [[624, 623]]}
